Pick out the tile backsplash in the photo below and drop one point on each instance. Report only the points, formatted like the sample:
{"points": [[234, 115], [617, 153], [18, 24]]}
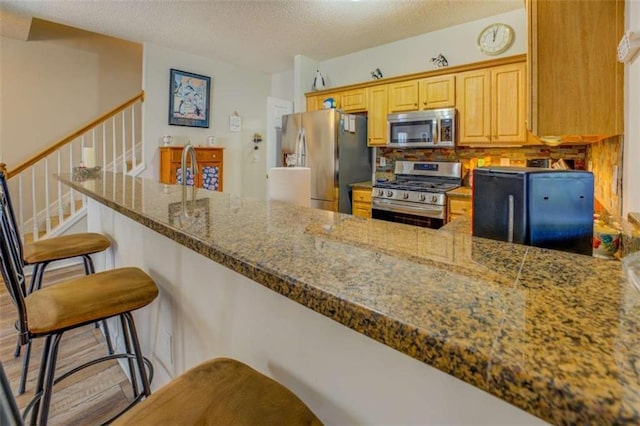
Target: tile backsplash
{"points": [[467, 156], [604, 157]]}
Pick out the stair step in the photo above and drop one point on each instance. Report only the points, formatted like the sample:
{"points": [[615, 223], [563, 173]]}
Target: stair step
{"points": [[55, 221]]}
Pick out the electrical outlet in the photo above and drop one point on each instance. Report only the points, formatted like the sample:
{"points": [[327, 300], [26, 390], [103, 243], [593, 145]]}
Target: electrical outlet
{"points": [[164, 349], [383, 161]]}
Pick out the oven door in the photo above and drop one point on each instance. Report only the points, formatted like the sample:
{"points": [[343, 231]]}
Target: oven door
{"points": [[425, 215]]}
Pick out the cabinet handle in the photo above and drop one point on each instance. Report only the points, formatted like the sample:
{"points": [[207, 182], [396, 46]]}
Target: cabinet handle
{"points": [[415, 104]]}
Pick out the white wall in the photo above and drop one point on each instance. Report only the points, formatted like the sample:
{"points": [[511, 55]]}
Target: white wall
{"points": [[458, 44], [631, 176], [281, 85], [303, 67], [232, 89], [58, 81]]}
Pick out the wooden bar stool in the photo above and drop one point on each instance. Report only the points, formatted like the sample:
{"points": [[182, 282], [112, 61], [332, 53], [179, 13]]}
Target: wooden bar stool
{"points": [[53, 310], [221, 391], [41, 253]]}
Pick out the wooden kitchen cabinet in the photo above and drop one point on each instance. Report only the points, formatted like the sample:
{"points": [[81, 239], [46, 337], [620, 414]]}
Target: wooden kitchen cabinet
{"points": [[361, 201], [210, 166], [437, 92], [575, 81], [316, 102], [426, 93], [458, 206], [377, 97], [354, 100], [403, 96], [491, 105]]}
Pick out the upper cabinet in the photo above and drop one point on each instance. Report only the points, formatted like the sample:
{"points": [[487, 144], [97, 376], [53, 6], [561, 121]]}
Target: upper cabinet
{"points": [[354, 100], [491, 105], [575, 81], [377, 115], [437, 92], [316, 102], [425, 93], [403, 96]]}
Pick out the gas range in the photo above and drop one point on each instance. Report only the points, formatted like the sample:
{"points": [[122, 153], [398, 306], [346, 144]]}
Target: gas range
{"points": [[418, 193]]}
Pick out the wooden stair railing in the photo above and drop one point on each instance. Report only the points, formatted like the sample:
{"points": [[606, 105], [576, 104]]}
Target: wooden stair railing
{"points": [[42, 204]]}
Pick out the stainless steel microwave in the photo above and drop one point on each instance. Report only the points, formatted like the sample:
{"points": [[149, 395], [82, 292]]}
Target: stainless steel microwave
{"points": [[434, 128]]}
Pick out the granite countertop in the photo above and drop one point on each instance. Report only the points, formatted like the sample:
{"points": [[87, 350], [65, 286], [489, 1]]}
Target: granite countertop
{"points": [[365, 184], [461, 192], [554, 333]]}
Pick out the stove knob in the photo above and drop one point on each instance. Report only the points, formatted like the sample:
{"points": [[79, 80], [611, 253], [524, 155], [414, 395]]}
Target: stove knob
{"points": [[422, 197], [389, 193], [405, 196], [434, 198], [380, 193]]}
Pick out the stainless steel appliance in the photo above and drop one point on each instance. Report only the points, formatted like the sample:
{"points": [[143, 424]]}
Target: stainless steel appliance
{"points": [[417, 196], [434, 128], [334, 146], [538, 207]]}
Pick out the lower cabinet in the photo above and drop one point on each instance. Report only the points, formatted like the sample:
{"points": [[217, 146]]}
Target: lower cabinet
{"points": [[361, 201], [458, 206], [210, 167]]}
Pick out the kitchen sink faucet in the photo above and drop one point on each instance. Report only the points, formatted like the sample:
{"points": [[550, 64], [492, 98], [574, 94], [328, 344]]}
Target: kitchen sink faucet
{"points": [[188, 150]]}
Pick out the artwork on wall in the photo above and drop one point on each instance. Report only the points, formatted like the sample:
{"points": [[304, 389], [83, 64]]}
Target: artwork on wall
{"points": [[189, 99]]}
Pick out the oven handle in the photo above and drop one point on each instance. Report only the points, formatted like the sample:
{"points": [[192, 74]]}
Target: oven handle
{"points": [[423, 210]]}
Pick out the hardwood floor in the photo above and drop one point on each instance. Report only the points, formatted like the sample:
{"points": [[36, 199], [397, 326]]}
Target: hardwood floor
{"points": [[88, 397]]}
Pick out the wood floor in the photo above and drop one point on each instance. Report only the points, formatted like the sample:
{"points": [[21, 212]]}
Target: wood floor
{"points": [[86, 398]]}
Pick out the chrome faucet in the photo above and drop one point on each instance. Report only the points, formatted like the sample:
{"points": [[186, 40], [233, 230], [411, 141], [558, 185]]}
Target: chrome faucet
{"points": [[188, 150]]}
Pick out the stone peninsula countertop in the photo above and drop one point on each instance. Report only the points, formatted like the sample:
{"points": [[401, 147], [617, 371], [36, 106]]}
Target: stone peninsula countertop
{"points": [[556, 334]]}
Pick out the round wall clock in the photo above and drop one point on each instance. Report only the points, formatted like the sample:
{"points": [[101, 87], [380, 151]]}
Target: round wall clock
{"points": [[495, 39]]}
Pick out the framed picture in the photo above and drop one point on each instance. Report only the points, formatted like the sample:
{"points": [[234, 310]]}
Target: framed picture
{"points": [[189, 99]]}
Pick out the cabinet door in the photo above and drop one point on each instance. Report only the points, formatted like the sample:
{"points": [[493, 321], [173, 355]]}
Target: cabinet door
{"points": [[508, 104], [377, 115], [437, 92], [361, 209], [354, 100], [314, 103], [403, 96], [576, 82], [473, 100]]}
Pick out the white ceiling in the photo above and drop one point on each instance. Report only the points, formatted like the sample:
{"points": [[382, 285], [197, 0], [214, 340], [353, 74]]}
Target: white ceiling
{"points": [[262, 35]]}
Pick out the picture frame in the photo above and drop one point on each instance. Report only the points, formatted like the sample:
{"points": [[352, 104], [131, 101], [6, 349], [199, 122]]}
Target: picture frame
{"points": [[189, 99]]}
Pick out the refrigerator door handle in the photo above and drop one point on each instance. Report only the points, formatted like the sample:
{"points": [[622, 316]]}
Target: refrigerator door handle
{"points": [[510, 224]]}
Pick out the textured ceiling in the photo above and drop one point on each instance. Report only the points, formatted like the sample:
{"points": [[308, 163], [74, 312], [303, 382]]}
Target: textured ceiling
{"points": [[263, 35]]}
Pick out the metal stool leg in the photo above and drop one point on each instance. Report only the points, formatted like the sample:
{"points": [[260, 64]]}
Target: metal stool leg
{"points": [[25, 369], [89, 269], [49, 380], [40, 381], [127, 345], [138, 354]]}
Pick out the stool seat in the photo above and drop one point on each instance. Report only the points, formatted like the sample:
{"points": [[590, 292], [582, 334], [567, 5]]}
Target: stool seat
{"points": [[221, 391], [64, 247], [89, 298]]}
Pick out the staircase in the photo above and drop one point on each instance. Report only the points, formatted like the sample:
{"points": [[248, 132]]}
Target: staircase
{"points": [[43, 206]]}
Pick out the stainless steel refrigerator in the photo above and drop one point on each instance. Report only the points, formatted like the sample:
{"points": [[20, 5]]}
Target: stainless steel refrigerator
{"points": [[334, 146]]}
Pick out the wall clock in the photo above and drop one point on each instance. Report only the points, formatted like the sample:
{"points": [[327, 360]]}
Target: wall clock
{"points": [[495, 39]]}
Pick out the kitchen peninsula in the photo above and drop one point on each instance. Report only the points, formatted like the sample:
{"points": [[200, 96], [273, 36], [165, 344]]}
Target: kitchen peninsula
{"points": [[555, 334]]}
